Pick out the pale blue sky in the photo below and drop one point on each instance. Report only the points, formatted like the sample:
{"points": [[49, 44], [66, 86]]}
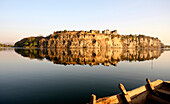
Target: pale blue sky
{"points": [[23, 18]]}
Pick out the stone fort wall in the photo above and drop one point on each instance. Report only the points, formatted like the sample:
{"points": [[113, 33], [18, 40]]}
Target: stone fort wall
{"points": [[95, 39]]}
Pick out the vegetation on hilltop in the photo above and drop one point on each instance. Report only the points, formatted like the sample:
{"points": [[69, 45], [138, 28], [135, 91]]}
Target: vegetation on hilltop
{"points": [[28, 42]]}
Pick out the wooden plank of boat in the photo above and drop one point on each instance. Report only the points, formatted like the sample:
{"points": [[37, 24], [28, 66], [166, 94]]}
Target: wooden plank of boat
{"points": [[157, 99], [126, 96], [167, 82], [163, 91], [137, 95], [141, 89]]}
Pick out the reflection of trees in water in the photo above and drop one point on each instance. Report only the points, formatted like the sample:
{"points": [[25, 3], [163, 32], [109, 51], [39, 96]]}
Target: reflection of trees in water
{"points": [[6, 48], [90, 56]]}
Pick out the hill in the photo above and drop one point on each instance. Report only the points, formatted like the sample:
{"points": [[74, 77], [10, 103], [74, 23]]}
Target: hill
{"points": [[90, 39]]}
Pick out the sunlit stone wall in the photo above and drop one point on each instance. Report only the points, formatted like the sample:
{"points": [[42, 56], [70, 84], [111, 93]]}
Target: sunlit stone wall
{"points": [[94, 39]]}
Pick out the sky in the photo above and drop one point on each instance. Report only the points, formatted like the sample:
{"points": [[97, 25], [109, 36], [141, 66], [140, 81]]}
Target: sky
{"points": [[24, 18]]}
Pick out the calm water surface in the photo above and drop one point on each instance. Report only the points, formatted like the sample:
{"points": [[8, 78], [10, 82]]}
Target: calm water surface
{"points": [[34, 76]]}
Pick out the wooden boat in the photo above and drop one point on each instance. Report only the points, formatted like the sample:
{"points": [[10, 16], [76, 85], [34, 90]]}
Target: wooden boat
{"points": [[156, 92]]}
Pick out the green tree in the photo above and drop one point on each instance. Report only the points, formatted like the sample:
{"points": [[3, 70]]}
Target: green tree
{"points": [[65, 30]]}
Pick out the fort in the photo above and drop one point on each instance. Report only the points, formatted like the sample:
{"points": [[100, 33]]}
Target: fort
{"points": [[90, 39]]}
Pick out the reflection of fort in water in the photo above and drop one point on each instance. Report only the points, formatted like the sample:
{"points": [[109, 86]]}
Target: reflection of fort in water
{"points": [[92, 57]]}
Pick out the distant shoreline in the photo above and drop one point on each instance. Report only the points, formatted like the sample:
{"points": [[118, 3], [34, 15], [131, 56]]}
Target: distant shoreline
{"points": [[6, 45]]}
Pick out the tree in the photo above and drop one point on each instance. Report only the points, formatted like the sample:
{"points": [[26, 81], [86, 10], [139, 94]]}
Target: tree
{"points": [[65, 30]]}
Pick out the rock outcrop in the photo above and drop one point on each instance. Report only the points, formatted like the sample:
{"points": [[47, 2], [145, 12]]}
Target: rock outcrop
{"points": [[90, 39]]}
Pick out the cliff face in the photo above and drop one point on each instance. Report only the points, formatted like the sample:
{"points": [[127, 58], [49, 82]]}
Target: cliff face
{"points": [[91, 39]]}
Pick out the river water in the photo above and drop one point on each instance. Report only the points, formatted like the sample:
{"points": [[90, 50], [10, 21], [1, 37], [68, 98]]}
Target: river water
{"points": [[70, 76]]}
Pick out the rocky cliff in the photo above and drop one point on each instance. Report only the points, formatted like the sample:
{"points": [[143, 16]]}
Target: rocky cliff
{"points": [[90, 39]]}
